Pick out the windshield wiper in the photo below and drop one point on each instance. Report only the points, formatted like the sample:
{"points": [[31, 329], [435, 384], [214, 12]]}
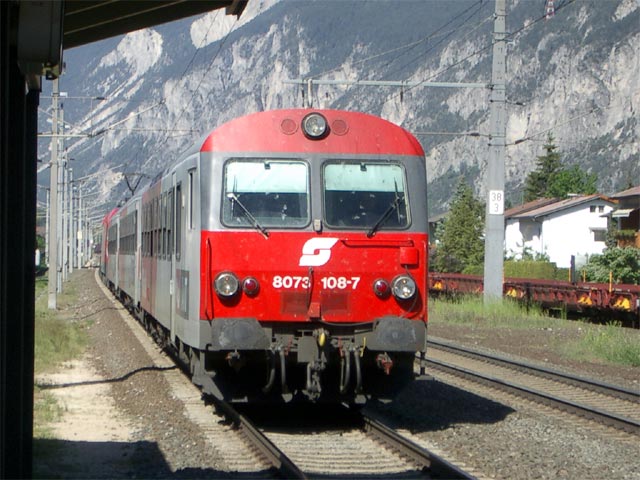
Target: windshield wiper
{"points": [[393, 206], [234, 198]]}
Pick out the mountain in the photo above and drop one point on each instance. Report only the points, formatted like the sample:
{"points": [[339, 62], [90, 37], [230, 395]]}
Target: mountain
{"points": [[575, 75]]}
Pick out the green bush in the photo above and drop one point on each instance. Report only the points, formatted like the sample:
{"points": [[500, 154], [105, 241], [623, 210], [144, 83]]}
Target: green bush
{"points": [[623, 263], [474, 270], [530, 269]]}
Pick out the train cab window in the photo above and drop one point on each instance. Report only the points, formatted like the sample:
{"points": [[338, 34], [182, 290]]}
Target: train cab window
{"points": [[266, 194], [365, 195]]}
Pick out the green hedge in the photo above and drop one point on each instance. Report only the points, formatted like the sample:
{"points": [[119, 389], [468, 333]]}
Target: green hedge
{"points": [[526, 269]]}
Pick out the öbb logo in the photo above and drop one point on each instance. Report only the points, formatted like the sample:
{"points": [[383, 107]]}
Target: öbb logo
{"points": [[316, 252]]}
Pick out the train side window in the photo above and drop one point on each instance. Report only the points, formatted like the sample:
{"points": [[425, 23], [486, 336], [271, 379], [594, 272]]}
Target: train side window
{"points": [[154, 223], [143, 239], [145, 230], [135, 232], [157, 226], [178, 220], [170, 221], [190, 206], [163, 226]]}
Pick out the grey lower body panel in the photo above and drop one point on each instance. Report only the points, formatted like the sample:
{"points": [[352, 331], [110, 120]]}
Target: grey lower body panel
{"points": [[396, 334], [238, 334], [390, 334]]}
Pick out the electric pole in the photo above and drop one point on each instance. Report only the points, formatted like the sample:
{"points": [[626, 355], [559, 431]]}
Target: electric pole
{"points": [[494, 219], [53, 210]]}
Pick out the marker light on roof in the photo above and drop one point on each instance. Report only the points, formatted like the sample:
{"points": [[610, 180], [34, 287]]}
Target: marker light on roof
{"points": [[315, 126]]}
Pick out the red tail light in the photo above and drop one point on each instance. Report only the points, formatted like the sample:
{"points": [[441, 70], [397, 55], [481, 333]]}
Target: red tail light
{"points": [[250, 286], [381, 288]]}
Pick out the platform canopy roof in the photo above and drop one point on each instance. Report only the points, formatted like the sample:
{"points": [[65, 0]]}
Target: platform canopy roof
{"points": [[87, 21]]}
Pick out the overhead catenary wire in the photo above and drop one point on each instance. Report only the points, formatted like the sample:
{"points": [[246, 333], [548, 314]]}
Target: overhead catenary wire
{"points": [[509, 37], [406, 47], [447, 35], [572, 119], [202, 78]]}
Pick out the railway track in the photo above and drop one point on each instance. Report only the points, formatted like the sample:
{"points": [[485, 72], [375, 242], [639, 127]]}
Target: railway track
{"points": [[356, 446], [607, 404], [360, 448]]}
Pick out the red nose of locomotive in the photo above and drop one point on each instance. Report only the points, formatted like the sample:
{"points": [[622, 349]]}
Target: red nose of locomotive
{"points": [[337, 278]]}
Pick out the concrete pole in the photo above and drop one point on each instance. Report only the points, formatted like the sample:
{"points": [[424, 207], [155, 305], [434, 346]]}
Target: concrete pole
{"points": [[494, 223], [79, 234], [70, 222], [53, 210], [65, 219], [59, 217]]}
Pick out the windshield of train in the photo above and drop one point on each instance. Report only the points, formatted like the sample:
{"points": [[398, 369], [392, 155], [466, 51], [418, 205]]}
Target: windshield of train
{"points": [[365, 195], [266, 193]]}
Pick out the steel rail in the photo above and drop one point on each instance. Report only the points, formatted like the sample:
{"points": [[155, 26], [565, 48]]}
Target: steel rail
{"points": [[436, 466], [608, 418], [557, 375], [274, 455]]}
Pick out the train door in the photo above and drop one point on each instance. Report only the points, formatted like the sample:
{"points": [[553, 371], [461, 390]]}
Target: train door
{"points": [[174, 222]]}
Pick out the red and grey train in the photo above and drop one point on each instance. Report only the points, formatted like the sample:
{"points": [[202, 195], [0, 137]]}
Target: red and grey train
{"points": [[283, 257]]}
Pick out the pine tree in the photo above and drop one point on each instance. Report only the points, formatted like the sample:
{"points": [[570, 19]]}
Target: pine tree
{"points": [[462, 244], [548, 165], [552, 180]]}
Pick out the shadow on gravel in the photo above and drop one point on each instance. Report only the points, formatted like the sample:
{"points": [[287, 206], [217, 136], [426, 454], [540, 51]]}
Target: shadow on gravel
{"points": [[67, 459], [53, 386], [429, 405], [105, 309]]}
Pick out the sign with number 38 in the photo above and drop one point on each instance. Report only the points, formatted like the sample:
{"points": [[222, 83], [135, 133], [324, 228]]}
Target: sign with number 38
{"points": [[496, 202]]}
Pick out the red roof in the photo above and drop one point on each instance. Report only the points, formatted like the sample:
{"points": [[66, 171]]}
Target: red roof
{"points": [[526, 207], [630, 192], [558, 206]]}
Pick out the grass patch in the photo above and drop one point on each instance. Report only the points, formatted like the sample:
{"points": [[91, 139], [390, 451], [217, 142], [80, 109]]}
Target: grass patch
{"points": [[46, 410], [471, 310], [58, 339], [610, 342]]}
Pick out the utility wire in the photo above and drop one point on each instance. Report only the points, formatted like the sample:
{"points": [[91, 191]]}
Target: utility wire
{"points": [[570, 120], [205, 74], [509, 36], [409, 46], [446, 35]]}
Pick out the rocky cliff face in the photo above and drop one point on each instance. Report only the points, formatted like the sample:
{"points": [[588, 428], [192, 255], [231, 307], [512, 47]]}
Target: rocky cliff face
{"points": [[576, 75]]}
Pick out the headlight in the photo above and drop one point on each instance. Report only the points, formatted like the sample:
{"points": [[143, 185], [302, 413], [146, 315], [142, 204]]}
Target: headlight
{"points": [[226, 284], [403, 287], [315, 126]]}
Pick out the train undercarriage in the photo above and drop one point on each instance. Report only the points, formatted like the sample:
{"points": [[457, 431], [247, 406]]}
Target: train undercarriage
{"points": [[292, 363]]}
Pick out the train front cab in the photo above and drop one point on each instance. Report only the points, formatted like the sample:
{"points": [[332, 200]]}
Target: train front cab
{"points": [[313, 265]]}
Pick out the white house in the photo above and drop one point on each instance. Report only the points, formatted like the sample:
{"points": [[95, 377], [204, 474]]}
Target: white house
{"points": [[560, 229]]}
